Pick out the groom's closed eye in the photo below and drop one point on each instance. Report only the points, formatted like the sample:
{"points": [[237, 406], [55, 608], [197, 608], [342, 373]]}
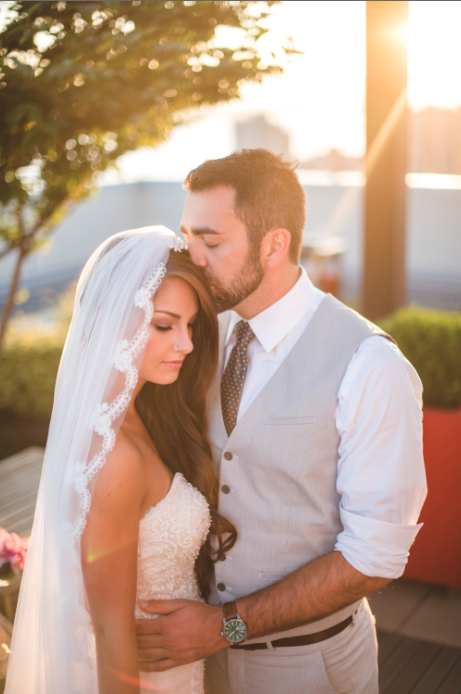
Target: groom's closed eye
{"points": [[207, 234]]}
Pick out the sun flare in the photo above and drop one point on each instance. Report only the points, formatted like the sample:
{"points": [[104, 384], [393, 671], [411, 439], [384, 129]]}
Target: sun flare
{"points": [[434, 54]]}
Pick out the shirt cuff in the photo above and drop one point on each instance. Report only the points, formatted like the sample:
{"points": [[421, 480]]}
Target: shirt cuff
{"points": [[375, 547]]}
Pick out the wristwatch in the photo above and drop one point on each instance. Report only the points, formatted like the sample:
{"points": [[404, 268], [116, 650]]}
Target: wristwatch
{"points": [[234, 628]]}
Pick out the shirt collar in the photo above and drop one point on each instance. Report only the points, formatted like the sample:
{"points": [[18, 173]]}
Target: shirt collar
{"points": [[275, 322]]}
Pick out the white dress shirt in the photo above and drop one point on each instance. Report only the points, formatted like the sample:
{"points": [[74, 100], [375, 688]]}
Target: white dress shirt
{"points": [[381, 476]]}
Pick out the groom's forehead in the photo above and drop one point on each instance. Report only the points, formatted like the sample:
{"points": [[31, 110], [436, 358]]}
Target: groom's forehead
{"points": [[209, 211], [216, 198]]}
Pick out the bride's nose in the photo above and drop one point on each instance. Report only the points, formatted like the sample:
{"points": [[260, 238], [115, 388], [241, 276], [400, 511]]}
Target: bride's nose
{"points": [[184, 344]]}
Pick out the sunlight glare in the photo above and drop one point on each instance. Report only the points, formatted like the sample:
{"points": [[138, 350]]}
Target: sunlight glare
{"points": [[434, 54]]}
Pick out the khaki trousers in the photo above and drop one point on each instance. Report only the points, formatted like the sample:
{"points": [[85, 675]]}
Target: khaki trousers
{"points": [[344, 664]]}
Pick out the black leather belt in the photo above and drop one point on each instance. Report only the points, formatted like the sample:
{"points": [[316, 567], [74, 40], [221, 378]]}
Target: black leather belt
{"points": [[304, 640]]}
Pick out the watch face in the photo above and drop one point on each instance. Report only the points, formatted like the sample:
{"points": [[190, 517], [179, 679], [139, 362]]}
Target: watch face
{"points": [[235, 630]]}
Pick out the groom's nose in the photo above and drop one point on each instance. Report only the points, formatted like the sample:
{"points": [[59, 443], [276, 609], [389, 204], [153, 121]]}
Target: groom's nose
{"points": [[196, 255]]}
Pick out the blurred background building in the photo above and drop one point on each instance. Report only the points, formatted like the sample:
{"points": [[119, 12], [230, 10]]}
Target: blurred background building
{"points": [[434, 145], [258, 132], [435, 141]]}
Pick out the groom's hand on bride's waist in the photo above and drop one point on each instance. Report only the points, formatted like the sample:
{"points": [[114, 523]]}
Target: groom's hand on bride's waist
{"points": [[187, 631]]}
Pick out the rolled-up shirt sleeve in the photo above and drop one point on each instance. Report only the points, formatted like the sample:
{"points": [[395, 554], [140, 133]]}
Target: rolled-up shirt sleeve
{"points": [[381, 478]]}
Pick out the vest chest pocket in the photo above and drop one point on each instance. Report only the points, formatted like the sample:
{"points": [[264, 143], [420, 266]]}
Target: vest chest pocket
{"points": [[294, 421], [294, 446]]}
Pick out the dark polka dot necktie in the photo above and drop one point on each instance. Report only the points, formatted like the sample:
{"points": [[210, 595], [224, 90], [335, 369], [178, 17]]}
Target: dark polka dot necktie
{"points": [[234, 375]]}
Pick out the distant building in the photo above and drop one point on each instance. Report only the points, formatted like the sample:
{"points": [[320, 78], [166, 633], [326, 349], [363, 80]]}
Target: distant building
{"points": [[434, 146], [434, 141], [333, 161], [258, 132]]}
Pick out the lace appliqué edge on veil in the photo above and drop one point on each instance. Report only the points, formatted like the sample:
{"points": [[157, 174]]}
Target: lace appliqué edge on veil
{"points": [[125, 353]]}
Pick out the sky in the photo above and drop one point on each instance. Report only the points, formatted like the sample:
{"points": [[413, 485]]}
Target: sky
{"points": [[320, 98]]}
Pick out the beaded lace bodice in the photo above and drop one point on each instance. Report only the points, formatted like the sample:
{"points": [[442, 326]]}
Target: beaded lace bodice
{"points": [[170, 537]]}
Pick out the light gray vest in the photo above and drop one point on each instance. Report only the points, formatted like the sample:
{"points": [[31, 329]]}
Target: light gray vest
{"points": [[280, 462]]}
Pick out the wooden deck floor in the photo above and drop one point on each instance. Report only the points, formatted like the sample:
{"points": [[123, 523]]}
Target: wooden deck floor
{"points": [[410, 666], [19, 480]]}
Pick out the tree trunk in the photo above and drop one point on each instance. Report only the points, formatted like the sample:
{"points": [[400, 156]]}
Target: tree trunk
{"points": [[10, 301]]}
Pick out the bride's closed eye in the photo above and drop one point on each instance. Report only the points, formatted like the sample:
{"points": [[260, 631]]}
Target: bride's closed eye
{"points": [[162, 328]]}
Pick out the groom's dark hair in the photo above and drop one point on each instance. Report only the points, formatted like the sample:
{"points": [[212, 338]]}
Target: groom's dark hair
{"points": [[268, 192]]}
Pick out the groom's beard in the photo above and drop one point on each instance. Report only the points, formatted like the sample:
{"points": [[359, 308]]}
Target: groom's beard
{"points": [[245, 282]]}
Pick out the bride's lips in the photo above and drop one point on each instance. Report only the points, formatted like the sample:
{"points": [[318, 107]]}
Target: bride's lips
{"points": [[174, 364]]}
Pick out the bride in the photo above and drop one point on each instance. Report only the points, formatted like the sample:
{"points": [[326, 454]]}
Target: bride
{"points": [[128, 495]]}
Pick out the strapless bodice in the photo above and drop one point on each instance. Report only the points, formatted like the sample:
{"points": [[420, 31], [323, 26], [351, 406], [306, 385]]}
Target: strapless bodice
{"points": [[170, 537]]}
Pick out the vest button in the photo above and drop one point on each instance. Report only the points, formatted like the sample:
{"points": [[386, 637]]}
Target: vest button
{"points": [[221, 587], [223, 558], [225, 489], [228, 455]]}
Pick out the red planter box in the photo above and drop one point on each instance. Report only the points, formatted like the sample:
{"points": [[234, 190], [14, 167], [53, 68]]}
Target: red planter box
{"points": [[436, 555]]}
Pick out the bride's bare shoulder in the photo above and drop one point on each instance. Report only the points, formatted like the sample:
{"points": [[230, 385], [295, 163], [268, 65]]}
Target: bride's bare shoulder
{"points": [[120, 480]]}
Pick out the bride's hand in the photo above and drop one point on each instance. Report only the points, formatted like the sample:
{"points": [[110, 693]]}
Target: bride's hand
{"points": [[186, 632]]}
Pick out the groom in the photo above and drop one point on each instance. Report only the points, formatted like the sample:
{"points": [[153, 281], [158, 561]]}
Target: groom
{"points": [[315, 427]]}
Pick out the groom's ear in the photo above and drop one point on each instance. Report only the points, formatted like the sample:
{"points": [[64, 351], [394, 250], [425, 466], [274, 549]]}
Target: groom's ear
{"points": [[275, 248]]}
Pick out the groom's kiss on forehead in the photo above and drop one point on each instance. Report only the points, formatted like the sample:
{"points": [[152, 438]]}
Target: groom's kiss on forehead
{"points": [[243, 220]]}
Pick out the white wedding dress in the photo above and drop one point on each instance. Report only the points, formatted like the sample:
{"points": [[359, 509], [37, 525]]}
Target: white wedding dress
{"points": [[170, 537]]}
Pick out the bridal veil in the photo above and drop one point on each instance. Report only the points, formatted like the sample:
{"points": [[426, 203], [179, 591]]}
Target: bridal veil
{"points": [[97, 374]]}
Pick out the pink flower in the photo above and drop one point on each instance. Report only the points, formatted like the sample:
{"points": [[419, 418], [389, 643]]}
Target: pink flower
{"points": [[13, 549]]}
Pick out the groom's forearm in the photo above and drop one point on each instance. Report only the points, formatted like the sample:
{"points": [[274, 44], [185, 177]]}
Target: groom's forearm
{"points": [[312, 592], [191, 630]]}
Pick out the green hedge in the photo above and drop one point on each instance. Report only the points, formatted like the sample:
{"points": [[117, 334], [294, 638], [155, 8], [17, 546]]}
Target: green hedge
{"points": [[28, 369], [30, 360], [431, 341]]}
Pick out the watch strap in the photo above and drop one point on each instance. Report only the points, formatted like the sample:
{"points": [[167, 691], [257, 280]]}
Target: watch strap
{"points": [[230, 610]]}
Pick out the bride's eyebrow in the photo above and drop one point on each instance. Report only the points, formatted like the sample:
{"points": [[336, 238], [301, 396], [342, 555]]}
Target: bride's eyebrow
{"points": [[168, 313], [175, 315]]}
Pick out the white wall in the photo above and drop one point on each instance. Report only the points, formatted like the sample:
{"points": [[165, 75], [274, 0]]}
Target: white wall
{"points": [[334, 207]]}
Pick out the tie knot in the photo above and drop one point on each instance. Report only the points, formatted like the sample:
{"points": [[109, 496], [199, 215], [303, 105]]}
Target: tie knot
{"points": [[243, 334]]}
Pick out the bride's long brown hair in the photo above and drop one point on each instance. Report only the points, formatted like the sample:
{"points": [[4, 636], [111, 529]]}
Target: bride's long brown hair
{"points": [[175, 416]]}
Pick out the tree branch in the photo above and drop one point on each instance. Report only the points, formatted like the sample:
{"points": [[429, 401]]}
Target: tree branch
{"points": [[8, 249]]}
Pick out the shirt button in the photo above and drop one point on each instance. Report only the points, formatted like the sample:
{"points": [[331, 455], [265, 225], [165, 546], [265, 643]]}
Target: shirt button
{"points": [[228, 455], [247, 360], [225, 489], [223, 558], [221, 587]]}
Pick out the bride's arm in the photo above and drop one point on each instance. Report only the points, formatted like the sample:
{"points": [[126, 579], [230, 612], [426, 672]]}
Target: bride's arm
{"points": [[109, 556]]}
